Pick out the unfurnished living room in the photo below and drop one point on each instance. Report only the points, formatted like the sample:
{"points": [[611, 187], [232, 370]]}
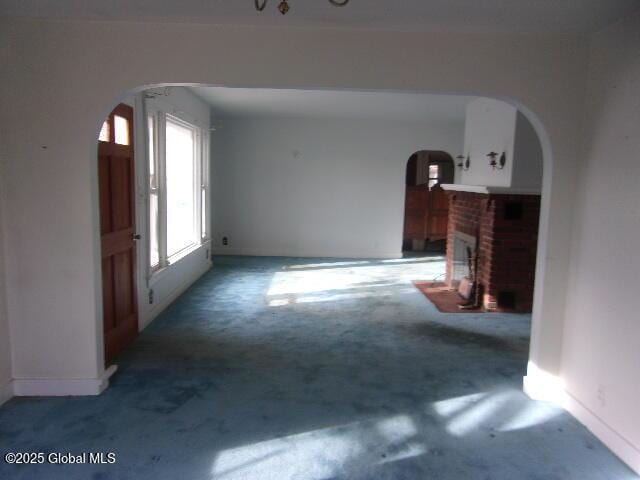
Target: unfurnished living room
{"points": [[319, 239]]}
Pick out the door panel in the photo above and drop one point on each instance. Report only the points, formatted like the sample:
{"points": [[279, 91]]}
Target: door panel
{"points": [[121, 200], [107, 294], [116, 171], [105, 194], [426, 213], [438, 214], [416, 210], [123, 273]]}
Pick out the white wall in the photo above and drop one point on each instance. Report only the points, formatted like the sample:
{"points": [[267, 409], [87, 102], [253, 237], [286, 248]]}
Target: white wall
{"points": [[601, 366], [66, 76], [316, 186], [5, 350], [177, 277], [527, 156], [495, 126]]}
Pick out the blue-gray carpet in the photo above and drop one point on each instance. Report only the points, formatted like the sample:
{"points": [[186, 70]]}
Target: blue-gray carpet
{"points": [[313, 369]]}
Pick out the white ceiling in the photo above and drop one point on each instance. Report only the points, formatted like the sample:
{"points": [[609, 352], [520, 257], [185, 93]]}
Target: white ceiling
{"points": [[334, 104], [418, 15]]}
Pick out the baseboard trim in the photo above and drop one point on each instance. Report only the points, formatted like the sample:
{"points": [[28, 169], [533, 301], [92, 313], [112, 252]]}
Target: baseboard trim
{"points": [[159, 307], [6, 392], [251, 252], [47, 387], [539, 387], [619, 445]]}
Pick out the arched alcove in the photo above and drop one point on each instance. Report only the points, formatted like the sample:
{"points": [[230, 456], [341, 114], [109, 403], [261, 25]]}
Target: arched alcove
{"points": [[426, 204]]}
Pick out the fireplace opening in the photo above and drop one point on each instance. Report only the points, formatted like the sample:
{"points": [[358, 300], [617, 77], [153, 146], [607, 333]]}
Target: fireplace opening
{"points": [[464, 248], [507, 300], [513, 211]]}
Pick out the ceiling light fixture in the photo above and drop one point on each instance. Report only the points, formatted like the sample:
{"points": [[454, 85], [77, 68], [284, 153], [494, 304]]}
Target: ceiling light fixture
{"points": [[283, 6]]}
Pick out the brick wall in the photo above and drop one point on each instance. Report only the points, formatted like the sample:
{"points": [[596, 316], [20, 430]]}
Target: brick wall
{"points": [[507, 230]]}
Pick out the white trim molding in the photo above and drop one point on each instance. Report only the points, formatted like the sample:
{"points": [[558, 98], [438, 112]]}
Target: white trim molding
{"points": [[6, 392], [619, 445], [145, 318], [257, 252], [47, 387], [542, 386]]}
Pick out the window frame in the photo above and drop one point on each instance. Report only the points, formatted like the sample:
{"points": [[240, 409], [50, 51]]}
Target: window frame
{"points": [[157, 121], [433, 181], [205, 202], [159, 117], [195, 186]]}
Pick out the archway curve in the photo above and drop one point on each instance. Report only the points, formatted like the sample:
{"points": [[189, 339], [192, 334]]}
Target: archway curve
{"points": [[532, 117], [444, 155]]}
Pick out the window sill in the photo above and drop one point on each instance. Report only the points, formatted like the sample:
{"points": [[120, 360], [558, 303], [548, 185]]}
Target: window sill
{"points": [[157, 275], [179, 255]]}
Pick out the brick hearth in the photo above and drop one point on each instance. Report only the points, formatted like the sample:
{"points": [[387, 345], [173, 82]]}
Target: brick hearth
{"points": [[506, 227]]}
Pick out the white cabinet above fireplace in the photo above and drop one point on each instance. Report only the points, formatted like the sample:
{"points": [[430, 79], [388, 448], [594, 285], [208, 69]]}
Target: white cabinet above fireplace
{"points": [[496, 127]]}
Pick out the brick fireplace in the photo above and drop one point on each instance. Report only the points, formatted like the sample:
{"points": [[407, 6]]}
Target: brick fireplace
{"points": [[503, 226]]}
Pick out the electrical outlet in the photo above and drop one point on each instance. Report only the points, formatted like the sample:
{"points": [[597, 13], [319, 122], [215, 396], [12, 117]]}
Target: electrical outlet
{"points": [[225, 241], [602, 395], [150, 296]]}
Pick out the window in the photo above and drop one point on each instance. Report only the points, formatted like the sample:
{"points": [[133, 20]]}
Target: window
{"points": [[434, 175], [121, 125], [178, 187], [121, 132], [181, 182], [204, 188], [154, 195], [104, 132]]}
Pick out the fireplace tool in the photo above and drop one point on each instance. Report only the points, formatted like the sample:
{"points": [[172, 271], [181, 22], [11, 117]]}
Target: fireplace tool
{"points": [[473, 300]]}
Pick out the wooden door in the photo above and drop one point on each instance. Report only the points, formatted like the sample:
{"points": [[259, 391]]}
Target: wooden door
{"points": [[117, 228], [416, 212], [438, 215]]}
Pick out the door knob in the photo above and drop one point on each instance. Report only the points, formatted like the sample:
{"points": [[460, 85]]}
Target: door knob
{"points": [[136, 236]]}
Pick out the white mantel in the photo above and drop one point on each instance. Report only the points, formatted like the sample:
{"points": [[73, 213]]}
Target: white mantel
{"points": [[455, 187]]}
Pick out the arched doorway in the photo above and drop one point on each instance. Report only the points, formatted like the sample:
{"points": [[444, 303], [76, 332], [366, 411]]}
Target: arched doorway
{"points": [[424, 217], [426, 204]]}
